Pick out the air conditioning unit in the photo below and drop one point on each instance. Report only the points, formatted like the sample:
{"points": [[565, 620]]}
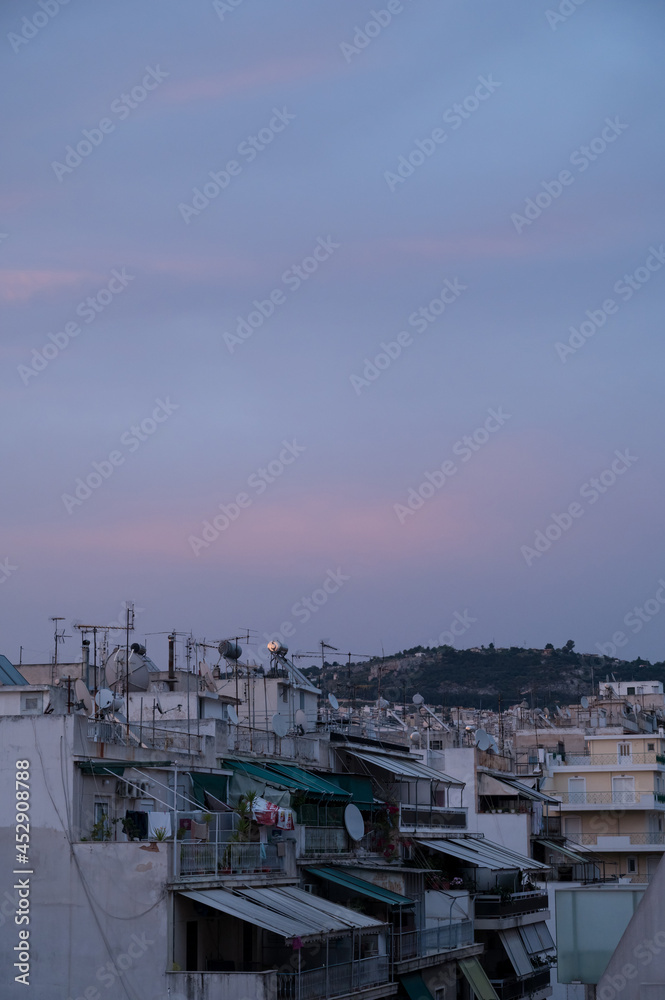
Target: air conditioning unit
{"points": [[143, 789], [122, 789]]}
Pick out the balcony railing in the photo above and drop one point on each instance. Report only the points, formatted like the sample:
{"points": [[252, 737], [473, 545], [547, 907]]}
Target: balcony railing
{"points": [[591, 839], [598, 798], [227, 859], [326, 840], [615, 759], [333, 980], [120, 734], [656, 837], [437, 817], [519, 902], [430, 940], [510, 989]]}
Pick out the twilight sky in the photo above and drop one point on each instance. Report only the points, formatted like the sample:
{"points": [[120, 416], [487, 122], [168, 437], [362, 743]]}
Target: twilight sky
{"points": [[398, 366]]}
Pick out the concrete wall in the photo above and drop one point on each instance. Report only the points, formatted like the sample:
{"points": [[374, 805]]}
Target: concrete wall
{"points": [[222, 985]]}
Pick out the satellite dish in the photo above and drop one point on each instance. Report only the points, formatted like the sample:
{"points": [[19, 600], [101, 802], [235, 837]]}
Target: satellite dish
{"points": [[301, 719], [104, 699], [232, 715], [382, 703], [354, 822], [280, 725], [277, 648], [83, 697], [483, 740], [629, 708], [494, 746], [334, 704], [418, 699], [584, 701], [207, 677], [117, 703]]}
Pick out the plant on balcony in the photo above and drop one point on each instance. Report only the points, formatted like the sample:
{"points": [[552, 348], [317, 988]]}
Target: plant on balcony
{"points": [[505, 894], [160, 833], [386, 823]]}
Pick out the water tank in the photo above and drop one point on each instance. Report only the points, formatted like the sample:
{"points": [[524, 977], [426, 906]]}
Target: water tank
{"points": [[229, 649]]}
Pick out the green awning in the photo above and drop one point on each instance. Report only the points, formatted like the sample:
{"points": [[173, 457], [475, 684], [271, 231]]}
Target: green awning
{"points": [[360, 886], [414, 987], [215, 784], [290, 777], [360, 788], [101, 769], [477, 979]]}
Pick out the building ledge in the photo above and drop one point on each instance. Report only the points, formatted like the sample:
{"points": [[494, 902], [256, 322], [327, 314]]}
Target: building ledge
{"points": [[514, 920], [437, 958]]}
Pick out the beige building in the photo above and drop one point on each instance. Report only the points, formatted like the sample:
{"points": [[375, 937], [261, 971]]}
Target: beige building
{"points": [[613, 799]]}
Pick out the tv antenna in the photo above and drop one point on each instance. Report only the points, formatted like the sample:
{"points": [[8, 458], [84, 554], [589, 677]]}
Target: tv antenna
{"points": [[324, 646], [57, 637]]}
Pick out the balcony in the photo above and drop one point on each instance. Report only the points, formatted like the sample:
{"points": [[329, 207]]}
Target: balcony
{"points": [[322, 840], [431, 940], [641, 800], [172, 740], [618, 841], [416, 818], [510, 989], [332, 980], [205, 860], [491, 905], [608, 760]]}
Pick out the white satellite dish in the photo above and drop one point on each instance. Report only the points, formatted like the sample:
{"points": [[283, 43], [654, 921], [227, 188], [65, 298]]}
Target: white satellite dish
{"points": [[117, 703], [483, 740], [280, 725], [301, 719], [584, 701], [207, 677], [494, 746], [382, 703], [84, 701], [418, 699], [334, 704], [104, 699], [354, 822], [232, 715]]}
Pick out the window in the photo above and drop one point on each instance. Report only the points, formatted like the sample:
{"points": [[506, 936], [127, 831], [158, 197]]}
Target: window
{"points": [[630, 690], [651, 747], [440, 993], [631, 866], [302, 699], [101, 811], [31, 704], [624, 752]]}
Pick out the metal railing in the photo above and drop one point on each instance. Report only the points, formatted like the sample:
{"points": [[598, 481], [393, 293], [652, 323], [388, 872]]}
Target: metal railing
{"points": [[655, 837], [326, 840], [492, 905], [511, 989], [616, 759], [599, 798], [429, 940], [591, 839], [121, 734], [227, 859], [333, 980], [439, 817]]}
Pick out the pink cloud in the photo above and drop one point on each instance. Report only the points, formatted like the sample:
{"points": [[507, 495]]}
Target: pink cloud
{"points": [[19, 286], [221, 85]]}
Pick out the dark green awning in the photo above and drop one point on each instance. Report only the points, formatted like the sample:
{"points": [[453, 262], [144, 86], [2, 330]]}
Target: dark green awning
{"points": [[214, 784], [415, 988], [359, 787], [477, 979], [343, 877], [289, 777], [102, 769]]}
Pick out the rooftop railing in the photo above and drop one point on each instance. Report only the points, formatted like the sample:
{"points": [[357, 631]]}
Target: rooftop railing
{"points": [[227, 859], [152, 738], [333, 980], [430, 940]]}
